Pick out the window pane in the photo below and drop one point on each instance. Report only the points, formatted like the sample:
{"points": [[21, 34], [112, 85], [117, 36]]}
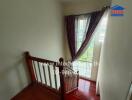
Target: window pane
{"points": [[81, 24]]}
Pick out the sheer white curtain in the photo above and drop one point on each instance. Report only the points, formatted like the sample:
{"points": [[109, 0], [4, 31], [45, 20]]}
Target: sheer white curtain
{"points": [[98, 40], [81, 26]]}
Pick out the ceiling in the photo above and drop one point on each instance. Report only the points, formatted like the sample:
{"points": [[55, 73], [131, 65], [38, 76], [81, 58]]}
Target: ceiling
{"points": [[68, 1], [73, 0]]}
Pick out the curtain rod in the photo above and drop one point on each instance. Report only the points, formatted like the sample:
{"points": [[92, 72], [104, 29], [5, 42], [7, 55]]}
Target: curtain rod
{"points": [[106, 7]]}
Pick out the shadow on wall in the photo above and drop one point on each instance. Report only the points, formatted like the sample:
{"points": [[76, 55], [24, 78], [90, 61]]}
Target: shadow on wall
{"points": [[13, 79]]}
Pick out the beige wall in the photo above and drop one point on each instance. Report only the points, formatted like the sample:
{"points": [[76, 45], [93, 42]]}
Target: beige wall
{"points": [[83, 6], [27, 25], [115, 71]]}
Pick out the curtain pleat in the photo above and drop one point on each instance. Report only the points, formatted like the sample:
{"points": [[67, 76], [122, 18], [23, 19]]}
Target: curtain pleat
{"points": [[70, 27]]}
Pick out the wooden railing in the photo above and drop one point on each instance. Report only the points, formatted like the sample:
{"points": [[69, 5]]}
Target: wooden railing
{"points": [[54, 75]]}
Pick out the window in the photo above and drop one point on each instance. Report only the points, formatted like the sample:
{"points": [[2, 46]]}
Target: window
{"points": [[85, 61], [81, 25]]}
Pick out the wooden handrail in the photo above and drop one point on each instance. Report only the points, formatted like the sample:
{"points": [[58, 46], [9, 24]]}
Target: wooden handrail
{"points": [[41, 60], [38, 59], [69, 68]]}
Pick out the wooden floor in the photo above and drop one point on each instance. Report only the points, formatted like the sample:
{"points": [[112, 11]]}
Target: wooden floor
{"points": [[36, 92], [86, 91]]}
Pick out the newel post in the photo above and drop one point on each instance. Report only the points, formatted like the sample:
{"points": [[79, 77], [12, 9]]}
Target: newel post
{"points": [[30, 66], [62, 88]]}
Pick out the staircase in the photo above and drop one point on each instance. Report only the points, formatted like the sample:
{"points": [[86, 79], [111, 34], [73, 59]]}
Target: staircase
{"points": [[50, 80]]}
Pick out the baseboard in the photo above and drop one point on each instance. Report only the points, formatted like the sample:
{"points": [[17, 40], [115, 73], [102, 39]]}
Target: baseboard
{"points": [[87, 79]]}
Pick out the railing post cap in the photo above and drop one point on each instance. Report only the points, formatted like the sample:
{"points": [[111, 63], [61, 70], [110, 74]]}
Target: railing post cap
{"points": [[61, 60], [26, 53]]}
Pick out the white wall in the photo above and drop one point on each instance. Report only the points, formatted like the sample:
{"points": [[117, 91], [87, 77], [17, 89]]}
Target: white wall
{"points": [[27, 25], [115, 71]]}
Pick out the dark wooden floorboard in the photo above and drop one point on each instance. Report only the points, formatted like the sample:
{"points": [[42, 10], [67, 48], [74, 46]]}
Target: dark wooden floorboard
{"points": [[86, 91], [36, 92]]}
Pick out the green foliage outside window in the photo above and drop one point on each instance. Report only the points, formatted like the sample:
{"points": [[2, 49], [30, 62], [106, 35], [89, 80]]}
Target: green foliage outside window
{"points": [[88, 54]]}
